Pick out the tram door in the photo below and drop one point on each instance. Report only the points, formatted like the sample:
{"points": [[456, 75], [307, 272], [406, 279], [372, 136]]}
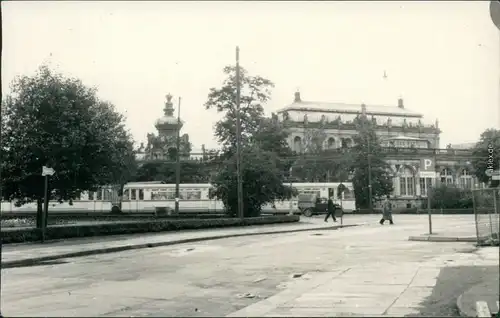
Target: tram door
{"points": [[331, 193], [136, 198]]}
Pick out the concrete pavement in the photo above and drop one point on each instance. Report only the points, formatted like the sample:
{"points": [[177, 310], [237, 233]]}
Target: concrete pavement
{"points": [[393, 290], [28, 253], [364, 270]]}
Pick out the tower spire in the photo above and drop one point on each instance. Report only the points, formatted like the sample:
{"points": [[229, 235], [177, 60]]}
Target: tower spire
{"points": [[169, 106]]}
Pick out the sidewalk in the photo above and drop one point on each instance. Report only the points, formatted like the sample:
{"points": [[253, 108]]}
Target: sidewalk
{"points": [[375, 290], [24, 254], [463, 231]]}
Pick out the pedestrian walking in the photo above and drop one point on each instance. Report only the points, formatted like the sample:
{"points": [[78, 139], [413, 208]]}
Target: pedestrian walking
{"points": [[331, 210], [387, 211]]}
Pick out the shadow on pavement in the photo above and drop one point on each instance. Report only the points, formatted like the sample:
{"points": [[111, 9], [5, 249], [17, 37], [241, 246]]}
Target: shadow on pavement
{"points": [[451, 283]]}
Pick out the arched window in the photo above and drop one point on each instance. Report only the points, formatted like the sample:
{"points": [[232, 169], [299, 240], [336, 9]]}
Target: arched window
{"points": [[406, 182], [346, 142], [297, 144], [331, 143], [446, 176], [466, 179]]}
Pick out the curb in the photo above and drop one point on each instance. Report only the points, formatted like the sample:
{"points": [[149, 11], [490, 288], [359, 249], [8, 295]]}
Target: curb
{"points": [[460, 305], [461, 311], [35, 260], [428, 238]]}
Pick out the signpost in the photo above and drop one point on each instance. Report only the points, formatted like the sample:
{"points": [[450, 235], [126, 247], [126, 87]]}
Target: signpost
{"points": [[46, 172], [428, 170], [494, 174]]}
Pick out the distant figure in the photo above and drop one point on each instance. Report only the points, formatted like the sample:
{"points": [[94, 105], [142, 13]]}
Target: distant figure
{"points": [[387, 214], [331, 210]]}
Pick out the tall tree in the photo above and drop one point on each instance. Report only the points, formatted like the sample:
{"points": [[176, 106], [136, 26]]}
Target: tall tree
{"points": [[486, 156], [264, 149], [367, 145], [255, 92], [56, 121]]}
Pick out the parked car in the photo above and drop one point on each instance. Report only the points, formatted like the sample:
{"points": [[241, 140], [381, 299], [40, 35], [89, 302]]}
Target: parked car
{"points": [[310, 204]]}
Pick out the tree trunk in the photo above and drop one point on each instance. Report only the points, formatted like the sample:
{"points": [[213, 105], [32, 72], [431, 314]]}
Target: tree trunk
{"points": [[39, 211]]}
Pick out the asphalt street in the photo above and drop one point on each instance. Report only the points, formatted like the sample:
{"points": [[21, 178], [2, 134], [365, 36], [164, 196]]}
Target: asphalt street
{"points": [[212, 278]]}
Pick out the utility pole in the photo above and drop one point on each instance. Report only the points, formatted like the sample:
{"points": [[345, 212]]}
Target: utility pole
{"points": [[238, 136], [178, 160]]}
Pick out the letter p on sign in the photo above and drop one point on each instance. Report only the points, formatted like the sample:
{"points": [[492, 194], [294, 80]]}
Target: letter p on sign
{"points": [[427, 168], [427, 163]]}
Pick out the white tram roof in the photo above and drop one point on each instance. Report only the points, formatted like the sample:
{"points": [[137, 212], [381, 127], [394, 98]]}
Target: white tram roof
{"points": [[321, 184], [162, 185]]}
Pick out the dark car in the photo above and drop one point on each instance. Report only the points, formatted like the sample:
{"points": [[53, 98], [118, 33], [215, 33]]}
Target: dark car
{"points": [[310, 204]]}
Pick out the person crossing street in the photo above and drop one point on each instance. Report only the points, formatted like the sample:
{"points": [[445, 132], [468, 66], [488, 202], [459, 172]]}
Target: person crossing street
{"points": [[331, 210], [387, 211]]}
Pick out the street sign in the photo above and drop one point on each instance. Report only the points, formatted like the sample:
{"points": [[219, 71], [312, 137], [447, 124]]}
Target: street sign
{"points": [[427, 168], [495, 13], [46, 171], [494, 174]]}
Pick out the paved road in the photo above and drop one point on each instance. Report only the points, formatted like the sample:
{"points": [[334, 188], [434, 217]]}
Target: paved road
{"points": [[217, 278]]}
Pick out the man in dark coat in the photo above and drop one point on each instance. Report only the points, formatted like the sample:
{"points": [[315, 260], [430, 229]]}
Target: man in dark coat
{"points": [[331, 210], [387, 211]]}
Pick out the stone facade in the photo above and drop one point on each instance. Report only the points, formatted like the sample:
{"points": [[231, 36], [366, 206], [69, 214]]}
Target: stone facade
{"points": [[160, 146], [405, 135]]}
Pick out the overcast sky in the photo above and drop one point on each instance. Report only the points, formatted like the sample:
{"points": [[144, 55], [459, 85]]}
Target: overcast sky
{"points": [[441, 57]]}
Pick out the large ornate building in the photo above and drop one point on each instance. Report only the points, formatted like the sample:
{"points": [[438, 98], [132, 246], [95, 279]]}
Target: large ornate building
{"points": [[163, 145], [407, 137]]}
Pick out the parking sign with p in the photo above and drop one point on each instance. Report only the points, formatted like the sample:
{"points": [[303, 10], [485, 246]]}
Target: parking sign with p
{"points": [[427, 168]]}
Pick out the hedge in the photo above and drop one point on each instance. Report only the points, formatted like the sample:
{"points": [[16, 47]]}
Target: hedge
{"points": [[132, 227]]}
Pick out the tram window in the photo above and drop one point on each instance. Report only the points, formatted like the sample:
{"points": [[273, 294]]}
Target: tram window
{"points": [[126, 194], [190, 194], [107, 194], [99, 195], [141, 194], [133, 195], [91, 195], [348, 194]]}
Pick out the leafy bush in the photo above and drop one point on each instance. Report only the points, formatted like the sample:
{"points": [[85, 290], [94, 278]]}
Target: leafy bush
{"points": [[72, 231], [449, 197]]}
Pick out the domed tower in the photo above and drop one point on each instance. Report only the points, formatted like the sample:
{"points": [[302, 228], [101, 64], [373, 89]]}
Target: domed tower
{"points": [[163, 146], [168, 125]]}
